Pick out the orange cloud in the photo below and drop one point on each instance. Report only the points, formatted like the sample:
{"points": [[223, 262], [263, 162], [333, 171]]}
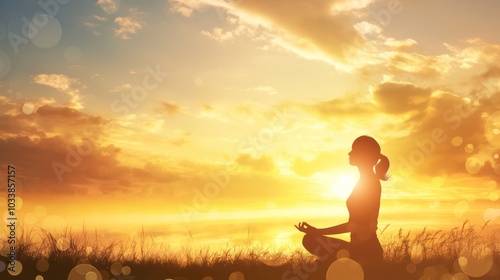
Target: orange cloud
{"points": [[60, 150]]}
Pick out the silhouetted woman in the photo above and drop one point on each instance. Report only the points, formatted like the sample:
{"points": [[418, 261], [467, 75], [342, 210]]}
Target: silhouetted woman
{"points": [[363, 205]]}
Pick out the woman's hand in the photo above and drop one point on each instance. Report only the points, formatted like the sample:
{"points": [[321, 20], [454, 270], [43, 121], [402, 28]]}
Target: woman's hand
{"points": [[306, 228]]}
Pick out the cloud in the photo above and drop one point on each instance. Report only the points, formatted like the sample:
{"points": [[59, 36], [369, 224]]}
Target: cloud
{"points": [[307, 26], [181, 8], [55, 134], [170, 108], [347, 106], [57, 81], [338, 32], [161, 171], [341, 33], [181, 138], [343, 6], [100, 18], [240, 29], [447, 136], [414, 63], [109, 6], [399, 44], [424, 131], [317, 29], [476, 52], [127, 27], [64, 84], [263, 163], [67, 115], [95, 22], [397, 97], [219, 34], [212, 113], [61, 151], [122, 87], [91, 25]]}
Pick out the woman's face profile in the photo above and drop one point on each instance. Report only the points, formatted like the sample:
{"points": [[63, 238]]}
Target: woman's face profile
{"points": [[354, 156], [361, 154]]}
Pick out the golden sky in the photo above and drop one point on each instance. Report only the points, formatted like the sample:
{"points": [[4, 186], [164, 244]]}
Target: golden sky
{"points": [[195, 112]]}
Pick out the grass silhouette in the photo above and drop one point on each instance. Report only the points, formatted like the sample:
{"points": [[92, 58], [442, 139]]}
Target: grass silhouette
{"points": [[466, 252]]}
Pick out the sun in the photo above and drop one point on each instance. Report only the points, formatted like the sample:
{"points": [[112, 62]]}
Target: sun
{"points": [[343, 185]]}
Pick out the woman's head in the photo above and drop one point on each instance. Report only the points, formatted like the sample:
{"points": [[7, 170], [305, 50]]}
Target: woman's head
{"points": [[365, 153]]}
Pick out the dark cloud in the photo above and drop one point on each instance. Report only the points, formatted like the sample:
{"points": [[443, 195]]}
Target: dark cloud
{"points": [[60, 150]]}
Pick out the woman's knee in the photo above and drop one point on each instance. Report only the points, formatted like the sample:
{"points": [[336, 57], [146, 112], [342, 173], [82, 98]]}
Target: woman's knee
{"points": [[309, 241]]}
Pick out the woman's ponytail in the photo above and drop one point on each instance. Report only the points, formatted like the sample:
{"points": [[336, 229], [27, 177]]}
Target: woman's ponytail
{"points": [[382, 167]]}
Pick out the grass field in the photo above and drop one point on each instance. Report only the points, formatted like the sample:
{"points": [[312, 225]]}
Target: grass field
{"points": [[466, 252]]}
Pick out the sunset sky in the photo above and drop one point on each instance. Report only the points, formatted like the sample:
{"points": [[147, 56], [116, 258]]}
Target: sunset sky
{"points": [[198, 115]]}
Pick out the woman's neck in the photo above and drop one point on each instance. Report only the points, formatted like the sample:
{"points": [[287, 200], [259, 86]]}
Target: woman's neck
{"points": [[366, 172]]}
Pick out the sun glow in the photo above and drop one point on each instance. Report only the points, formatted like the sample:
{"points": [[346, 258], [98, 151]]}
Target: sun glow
{"points": [[343, 186]]}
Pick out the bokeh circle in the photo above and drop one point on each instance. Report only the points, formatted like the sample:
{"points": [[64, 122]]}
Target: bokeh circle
{"points": [[18, 268], [492, 129], [84, 272], [345, 269], [47, 35], [476, 260], [237, 275]]}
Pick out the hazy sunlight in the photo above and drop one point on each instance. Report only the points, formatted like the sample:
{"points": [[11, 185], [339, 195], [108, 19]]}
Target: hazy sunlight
{"points": [[343, 186], [191, 124]]}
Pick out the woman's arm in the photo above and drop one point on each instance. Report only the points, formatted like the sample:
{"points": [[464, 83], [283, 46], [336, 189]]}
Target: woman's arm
{"points": [[307, 228], [338, 229]]}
